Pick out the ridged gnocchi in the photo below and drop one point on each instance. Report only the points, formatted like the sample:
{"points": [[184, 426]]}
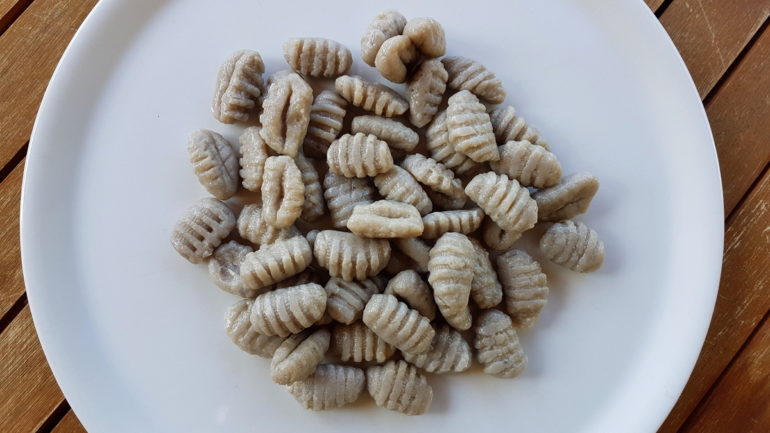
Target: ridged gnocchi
{"points": [[509, 126], [286, 114], [202, 228], [384, 26], [345, 300], [329, 387], [275, 262], [399, 386], [442, 150], [451, 273], [573, 245], [567, 199], [448, 353], [317, 57], [409, 287], [377, 98], [326, 116], [531, 165], [460, 221], [357, 343], [497, 345], [426, 88], [525, 286], [238, 328], [314, 206], [254, 228], [343, 194], [253, 156], [470, 75], [359, 155], [298, 356], [386, 219], [225, 268], [214, 163], [394, 133], [283, 192], [239, 87], [288, 311], [397, 324], [469, 128], [350, 257], [506, 202]]}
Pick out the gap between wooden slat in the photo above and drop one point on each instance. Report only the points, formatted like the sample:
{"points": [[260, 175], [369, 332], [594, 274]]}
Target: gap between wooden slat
{"points": [[746, 195], [13, 12], [735, 63], [13, 312], [54, 417], [662, 8], [17, 158]]}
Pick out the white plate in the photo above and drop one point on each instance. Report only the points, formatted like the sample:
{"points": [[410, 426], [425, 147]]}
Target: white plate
{"points": [[134, 334]]}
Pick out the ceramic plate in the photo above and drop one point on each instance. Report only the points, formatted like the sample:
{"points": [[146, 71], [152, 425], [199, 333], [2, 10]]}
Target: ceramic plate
{"points": [[134, 334]]}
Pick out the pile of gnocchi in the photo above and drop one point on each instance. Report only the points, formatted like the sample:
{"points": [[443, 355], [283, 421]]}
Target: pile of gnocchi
{"points": [[382, 245]]}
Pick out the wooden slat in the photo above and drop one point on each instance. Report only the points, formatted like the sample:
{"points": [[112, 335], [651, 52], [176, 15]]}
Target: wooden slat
{"points": [[710, 33], [740, 402], [69, 424], [28, 391], [743, 298], [29, 52], [654, 4], [740, 120], [10, 262]]}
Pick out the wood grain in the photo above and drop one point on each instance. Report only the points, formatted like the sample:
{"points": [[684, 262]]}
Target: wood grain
{"points": [[10, 261], [69, 424], [739, 114], [28, 391], [29, 52], [743, 298], [739, 403], [710, 33]]}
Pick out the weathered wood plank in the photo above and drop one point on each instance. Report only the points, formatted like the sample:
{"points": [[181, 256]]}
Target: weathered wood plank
{"points": [[739, 113], [739, 403], [10, 261], [29, 52], [69, 424], [742, 302], [711, 33], [28, 391]]}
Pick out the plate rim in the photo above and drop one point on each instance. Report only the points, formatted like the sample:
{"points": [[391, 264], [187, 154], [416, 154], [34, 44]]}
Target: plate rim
{"points": [[103, 10]]}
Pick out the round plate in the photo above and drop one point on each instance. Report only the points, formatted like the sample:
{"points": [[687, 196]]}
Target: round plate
{"points": [[134, 333]]}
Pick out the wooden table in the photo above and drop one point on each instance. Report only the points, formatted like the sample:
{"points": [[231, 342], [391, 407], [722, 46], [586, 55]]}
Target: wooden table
{"points": [[726, 45]]}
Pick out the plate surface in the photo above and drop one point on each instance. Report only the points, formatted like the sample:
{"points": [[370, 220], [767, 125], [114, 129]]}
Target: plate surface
{"points": [[134, 334]]}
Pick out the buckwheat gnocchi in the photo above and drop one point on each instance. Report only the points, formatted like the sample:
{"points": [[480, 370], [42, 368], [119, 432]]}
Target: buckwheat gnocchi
{"points": [[202, 228], [470, 131], [312, 297], [448, 353], [486, 290], [427, 35], [394, 133], [288, 311], [385, 219], [359, 155], [525, 286], [398, 185], [275, 262], [504, 200], [298, 356], [410, 288], [225, 268], [286, 114], [460, 221], [451, 272], [317, 57], [253, 156], [254, 228], [238, 328], [509, 126], [397, 324], [350, 257], [343, 194], [426, 87], [357, 343], [313, 206], [435, 176], [467, 74], [394, 58], [531, 165], [417, 250], [283, 192], [384, 26], [573, 245], [239, 87], [214, 163], [345, 300], [498, 347], [326, 115], [377, 98], [329, 387], [443, 151], [498, 239], [567, 199], [399, 386]]}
